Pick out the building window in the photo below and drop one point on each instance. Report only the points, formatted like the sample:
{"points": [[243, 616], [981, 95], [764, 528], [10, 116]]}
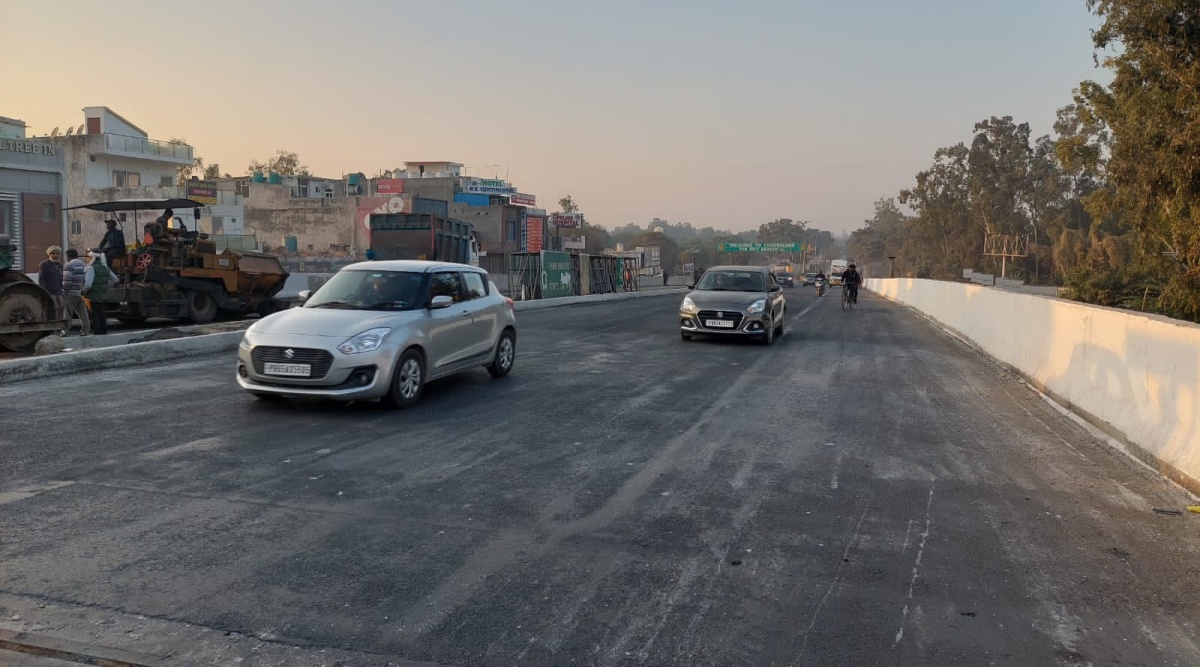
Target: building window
{"points": [[7, 227], [48, 212], [166, 181], [76, 227], [126, 179]]}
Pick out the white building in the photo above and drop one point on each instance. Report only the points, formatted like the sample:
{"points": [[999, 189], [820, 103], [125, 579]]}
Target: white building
{"points": [[111, 158]]}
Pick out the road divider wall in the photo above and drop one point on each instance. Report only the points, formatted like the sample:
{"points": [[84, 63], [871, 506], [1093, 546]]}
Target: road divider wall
{"points": [[121, 354], [1134, 376]]}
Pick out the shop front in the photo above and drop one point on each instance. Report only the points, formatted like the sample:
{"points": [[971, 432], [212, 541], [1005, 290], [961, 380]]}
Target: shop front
{"points": [[31, 197]]}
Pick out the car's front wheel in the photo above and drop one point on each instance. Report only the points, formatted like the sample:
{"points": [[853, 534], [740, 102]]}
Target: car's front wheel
{"points": [[408, 380], [506, 355], [768, 336]]}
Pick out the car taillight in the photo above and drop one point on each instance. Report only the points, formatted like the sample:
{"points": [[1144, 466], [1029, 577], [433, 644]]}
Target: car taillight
{"points": [[508, 301]]}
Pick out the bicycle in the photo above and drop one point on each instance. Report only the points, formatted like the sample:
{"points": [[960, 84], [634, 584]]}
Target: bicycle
{"points": [[847, 302]]}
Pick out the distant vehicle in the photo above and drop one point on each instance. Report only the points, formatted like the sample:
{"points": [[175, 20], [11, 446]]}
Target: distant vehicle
{"points": [[428, 234], [810, 278], [785, 274], [836, 268], [381, 330], [734, 301]]}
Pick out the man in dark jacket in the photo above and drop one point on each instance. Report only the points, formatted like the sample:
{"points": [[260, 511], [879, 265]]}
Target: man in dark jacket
{"points": [[113, 243], [50, 277], [852, 279]]}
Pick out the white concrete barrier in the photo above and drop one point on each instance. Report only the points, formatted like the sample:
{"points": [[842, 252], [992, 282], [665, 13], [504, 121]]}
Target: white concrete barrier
{"points": [[1135, 376]]}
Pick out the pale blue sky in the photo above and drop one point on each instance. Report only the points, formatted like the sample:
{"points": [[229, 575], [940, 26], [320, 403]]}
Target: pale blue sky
{"points": [[724, 114]]}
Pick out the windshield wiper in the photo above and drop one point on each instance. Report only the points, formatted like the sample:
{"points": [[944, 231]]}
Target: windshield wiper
{"points": [[336, 304], [387, 305]]}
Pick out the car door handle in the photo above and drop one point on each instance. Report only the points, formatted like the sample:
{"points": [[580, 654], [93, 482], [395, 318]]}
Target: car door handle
{"points": [[466, 313]]}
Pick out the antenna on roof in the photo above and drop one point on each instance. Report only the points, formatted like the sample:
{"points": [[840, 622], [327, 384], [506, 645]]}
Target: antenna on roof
{"points": [[54, 132]]}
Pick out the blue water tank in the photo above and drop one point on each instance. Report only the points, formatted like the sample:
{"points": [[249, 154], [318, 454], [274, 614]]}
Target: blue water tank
{"points": [[274, 178], [258, 177]]}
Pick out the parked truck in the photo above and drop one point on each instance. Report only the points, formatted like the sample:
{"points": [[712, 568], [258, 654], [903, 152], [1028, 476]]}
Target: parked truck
{"points": [[429, 235]]}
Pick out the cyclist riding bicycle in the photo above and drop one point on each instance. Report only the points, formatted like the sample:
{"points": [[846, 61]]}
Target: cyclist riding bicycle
{"points": [[852, 279]]}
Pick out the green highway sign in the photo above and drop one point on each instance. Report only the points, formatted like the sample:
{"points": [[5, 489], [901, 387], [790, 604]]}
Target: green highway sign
{"points": [[758, 247]]}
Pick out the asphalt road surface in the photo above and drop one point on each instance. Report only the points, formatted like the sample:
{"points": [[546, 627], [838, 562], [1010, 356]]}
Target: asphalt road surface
{"points": [[867, 491]]}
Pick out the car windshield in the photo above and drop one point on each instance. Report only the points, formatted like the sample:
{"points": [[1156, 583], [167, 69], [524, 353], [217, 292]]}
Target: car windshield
{"points": [[731, 281], [369, 290]]}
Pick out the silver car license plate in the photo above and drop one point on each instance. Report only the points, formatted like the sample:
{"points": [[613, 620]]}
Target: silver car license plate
{"points": [[289, 370], [719, 324]]}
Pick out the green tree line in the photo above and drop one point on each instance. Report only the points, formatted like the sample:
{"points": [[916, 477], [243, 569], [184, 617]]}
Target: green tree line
{"points": [[1110, 204]]}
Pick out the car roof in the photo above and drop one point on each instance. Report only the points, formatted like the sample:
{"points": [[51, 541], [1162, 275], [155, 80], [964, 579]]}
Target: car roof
{"points": [[418, 265]]}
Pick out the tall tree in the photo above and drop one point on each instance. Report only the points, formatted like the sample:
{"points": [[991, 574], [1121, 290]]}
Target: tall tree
{"points": [[782, 230], [567, 205], [1151, 108]]}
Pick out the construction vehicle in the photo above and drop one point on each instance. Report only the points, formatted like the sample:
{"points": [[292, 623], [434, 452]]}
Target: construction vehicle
{"points": [[427, 236], [27, 313], [175, 272]]}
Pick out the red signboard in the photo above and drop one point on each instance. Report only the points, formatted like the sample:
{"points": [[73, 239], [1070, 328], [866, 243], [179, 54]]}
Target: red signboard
{"points": [[523, 200], [389, 186], [535, 230]]}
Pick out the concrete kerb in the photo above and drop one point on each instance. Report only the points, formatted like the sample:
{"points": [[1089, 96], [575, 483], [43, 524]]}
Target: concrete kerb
{"points": [[121, 355], [117, 356]]}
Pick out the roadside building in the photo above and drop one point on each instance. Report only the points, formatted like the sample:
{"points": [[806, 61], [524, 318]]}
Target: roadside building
{"points": [[31, 193], [111, 158]]}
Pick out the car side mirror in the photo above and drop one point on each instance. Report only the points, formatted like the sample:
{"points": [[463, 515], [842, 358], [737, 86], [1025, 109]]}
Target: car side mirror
{"points": [[304, 294], [440, 302], [691, 285], [776, 288]]}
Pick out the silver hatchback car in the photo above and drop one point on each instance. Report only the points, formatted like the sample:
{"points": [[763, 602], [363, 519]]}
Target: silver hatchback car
{"points": [[381, 330]]}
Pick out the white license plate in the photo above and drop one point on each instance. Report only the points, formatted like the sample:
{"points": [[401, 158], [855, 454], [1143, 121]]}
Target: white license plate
{"points": [[719, 324], [290, 370]]}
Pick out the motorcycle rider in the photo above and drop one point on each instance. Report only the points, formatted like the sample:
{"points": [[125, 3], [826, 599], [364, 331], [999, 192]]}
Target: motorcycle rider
{"points": [[852, 279], [819, 282]]}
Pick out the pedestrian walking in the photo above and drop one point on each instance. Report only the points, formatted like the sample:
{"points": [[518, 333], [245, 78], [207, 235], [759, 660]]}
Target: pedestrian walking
{"points": [[98, 292], [74, 281], [50, 277]]}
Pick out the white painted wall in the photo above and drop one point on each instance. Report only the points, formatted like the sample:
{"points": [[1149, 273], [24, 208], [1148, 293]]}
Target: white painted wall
{"points": [[110, 123], [1139, 374], [100, 171]]}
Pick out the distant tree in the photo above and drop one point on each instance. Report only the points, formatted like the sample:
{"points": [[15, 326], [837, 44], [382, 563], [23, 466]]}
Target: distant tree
{"points": [[184, 171], [782, 230], [568, 205], [212, 171], [284, 163]]}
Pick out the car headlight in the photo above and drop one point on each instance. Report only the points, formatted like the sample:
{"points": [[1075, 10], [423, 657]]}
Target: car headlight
{"points": [[245, 344], [367, 341], [688, 306], [757, 306]]}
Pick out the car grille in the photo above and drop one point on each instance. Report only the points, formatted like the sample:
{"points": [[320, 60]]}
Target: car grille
{"points": [[320, 360], [733, 315]]}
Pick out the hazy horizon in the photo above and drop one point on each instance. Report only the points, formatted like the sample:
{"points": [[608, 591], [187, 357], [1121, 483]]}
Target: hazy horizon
{"points": [[719, 115]]}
